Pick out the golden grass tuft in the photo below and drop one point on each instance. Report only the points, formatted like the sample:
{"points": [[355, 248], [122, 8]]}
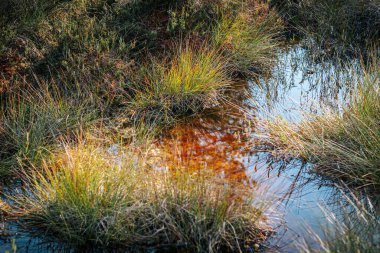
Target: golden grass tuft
{"points": [[90, 196]]}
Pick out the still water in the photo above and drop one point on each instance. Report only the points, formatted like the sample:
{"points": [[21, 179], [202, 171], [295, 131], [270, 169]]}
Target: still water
{"points": [[229, 143]]}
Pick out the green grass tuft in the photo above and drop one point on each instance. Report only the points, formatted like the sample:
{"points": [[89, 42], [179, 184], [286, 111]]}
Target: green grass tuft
{"points": [[32, 124], [87, 196], [249, 39], [193, 80]]}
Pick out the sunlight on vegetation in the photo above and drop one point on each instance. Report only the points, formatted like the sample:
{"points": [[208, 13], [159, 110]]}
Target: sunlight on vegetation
{"points": [[341, 143], [87, 196], [127, 73], [32, 123], [193, 81], [248, 40]]}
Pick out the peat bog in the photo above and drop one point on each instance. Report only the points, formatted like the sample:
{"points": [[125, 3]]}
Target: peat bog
{"points": [[189, 126]]}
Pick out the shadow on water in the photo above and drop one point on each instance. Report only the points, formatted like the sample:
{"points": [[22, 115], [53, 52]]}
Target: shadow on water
{"points": [[229, 144]]}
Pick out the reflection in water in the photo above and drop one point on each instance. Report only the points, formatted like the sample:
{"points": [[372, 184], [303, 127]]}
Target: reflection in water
{"points": [[234, 153], [219, 143], [204, 145], [228, 144], [299, 83]]}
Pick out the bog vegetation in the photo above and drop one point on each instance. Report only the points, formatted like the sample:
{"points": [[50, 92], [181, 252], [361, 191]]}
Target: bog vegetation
{"points": [[155, 62], [88, 196], [126, 70], [354, 228], [342, 142], [340, 28], [69, 67]]}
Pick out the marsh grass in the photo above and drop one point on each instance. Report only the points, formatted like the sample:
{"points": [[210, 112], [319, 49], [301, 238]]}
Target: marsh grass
{"points": [[341, 28], [102, 46], [102, 51], [32, 123], [193, 80], [341, 143], [241, 43], [87, 196], [95, 57], [354, 226], [249, 39]]}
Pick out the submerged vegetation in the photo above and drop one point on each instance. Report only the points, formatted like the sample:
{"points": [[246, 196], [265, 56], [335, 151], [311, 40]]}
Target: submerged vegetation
{"points": [[70, 67], [154, 61]]}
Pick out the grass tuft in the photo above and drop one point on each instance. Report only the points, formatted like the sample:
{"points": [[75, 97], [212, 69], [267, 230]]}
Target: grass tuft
{"points": [[191, 82], [90, 196], [341, 143], [32, 123], [249, 39]]}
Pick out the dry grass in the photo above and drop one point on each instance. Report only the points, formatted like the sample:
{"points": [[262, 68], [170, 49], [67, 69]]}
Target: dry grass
{"points": [[352, 227]]}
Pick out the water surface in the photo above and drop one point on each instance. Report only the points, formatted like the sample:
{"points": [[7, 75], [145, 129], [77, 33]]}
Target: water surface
{"points": [[229, 143]]}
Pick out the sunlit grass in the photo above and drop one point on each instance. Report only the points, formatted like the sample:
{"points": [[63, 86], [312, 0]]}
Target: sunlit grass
{"points": [[193, 80], [119, 54], [101, 47], [89, 196], [341, 143]]}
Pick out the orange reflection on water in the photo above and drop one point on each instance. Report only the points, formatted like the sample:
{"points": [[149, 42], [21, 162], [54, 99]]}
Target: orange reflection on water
{"points": [[220, 146]]}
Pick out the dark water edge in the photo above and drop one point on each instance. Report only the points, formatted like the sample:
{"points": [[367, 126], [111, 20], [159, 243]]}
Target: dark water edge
{"points": [[295, 83]]}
